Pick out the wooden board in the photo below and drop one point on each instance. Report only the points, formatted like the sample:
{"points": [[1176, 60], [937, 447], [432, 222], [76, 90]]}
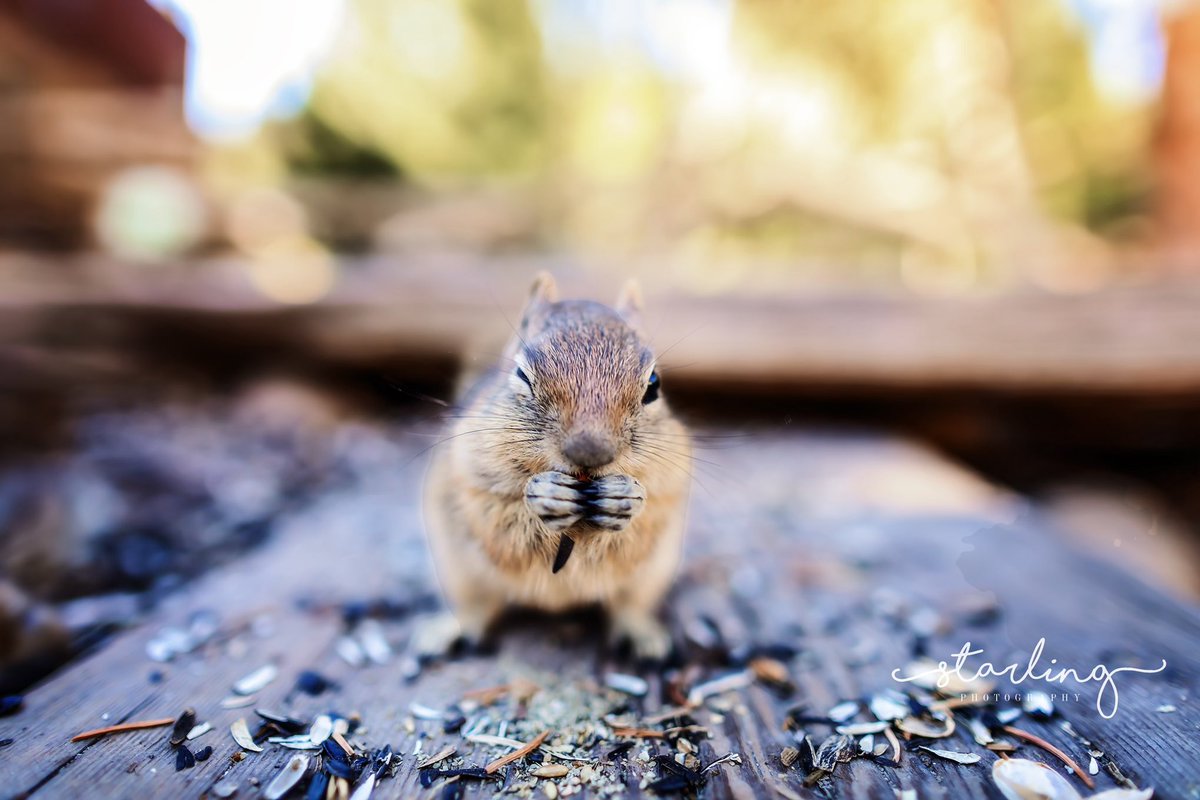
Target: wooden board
{"points": [[843, 547], [1130, 342]]}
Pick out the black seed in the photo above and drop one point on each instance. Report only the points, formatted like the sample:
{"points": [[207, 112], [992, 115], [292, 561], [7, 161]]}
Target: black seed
{"points": [[565, 545], [183, 726], [316, 788], [6, 742], [203, 753], [184, 758], [313, 683], [671, 783], [620, 749], [11, 704], [454, 723], [453, 791], [283, 722]]}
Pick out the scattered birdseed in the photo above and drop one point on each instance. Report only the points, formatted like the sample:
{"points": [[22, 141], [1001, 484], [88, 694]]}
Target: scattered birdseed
{"points": [[321, 729], [1038, 705], [952, 755], [565, 546], [256, 681], [313, 683], [350, 651], [183, 726], [241, 735], [725, 683], [184, 759], [199, 730], [889, 705], [860, 728], [927, 729], [550, 771], [442, 755], [629, 684], [288, 777], [235, 701], [364, 789], [845, 711], [374, 643]]}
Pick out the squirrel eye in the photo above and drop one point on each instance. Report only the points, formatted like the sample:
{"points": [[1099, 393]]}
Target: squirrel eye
{"points": [[652, 387], [520, 373]]}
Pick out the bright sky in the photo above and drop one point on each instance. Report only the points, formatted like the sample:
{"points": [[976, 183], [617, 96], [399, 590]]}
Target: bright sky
{"points": [[251, 59]]}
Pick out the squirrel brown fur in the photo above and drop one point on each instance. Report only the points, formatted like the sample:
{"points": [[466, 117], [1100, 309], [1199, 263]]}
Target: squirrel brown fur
{"points": [[569, 436]]}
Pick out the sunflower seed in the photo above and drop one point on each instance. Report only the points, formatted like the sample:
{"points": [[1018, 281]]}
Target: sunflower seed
{"points": [[1038, 705], [288, 777], [374, 643], [256, 681], [836, 748], [234, 701], [928, 730], [860, 728], [1020, 778], [551, 771], [726, 683], [952, 755], [298, 742], [241, 735], [421, 711], [789, 756], [889, 705], [322, 729], [183, 725], [199, 730], [364, 789], [629, 684], [350, 651], [980, 732], [843, 712], [565, 545]]}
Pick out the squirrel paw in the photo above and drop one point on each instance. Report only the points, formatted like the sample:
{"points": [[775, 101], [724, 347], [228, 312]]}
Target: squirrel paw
{"points": [[613, 501], [646, 635], [560, 500], [555, 499]]}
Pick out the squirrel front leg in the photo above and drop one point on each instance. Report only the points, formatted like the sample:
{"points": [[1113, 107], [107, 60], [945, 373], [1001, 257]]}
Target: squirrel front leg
{"points": [[560, 500]]}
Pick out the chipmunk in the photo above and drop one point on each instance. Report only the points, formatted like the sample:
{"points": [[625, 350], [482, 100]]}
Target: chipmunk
{"points": [[566, 478]]}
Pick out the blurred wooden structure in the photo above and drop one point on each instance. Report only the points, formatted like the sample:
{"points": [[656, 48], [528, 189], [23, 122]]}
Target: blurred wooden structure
{"points": [[1178, 145], [86, 90]]}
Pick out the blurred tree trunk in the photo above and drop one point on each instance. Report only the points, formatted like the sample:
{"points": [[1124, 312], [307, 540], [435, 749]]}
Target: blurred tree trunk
{"points": [[1178, 146]]}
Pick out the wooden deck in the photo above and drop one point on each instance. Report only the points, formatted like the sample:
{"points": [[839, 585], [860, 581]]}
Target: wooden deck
{"points": [[852, 551]]}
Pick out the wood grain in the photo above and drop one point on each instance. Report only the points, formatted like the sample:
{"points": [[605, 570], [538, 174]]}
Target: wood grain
{"points": [[819, 542]]}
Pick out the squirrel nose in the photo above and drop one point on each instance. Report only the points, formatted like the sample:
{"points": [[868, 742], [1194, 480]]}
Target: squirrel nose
{"points": [[589, 450]]}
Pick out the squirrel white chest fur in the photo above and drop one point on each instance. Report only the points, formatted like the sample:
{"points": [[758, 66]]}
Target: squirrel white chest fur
{"points": [[566, 480]]}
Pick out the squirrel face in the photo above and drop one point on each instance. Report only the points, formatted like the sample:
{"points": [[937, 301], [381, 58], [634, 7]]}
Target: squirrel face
{"points": [[584, 381]]}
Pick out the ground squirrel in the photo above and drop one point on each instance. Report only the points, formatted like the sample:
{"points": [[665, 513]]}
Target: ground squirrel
{"points": [[569, 437]]}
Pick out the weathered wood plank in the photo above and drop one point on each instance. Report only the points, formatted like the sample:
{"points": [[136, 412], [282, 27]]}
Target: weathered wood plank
{"points": [[848, 549]]}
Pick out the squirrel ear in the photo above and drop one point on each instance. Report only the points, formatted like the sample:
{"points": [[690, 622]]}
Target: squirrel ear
{"points": [[629, 302], [544, 289], [543, 292]]}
